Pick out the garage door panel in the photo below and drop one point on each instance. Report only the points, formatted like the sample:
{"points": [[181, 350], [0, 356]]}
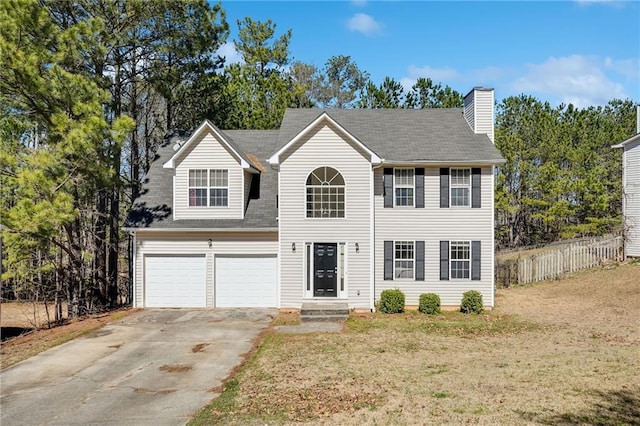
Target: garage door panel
{"points": [[175, 282], [245, 281]]}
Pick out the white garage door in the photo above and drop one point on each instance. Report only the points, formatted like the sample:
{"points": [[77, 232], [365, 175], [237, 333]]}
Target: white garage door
{"points": [[175, 282], [245, 281]]}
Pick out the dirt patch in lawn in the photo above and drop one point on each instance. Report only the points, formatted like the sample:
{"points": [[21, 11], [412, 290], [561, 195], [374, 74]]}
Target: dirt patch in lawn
{"points": [[20, 348], [558, 352]]}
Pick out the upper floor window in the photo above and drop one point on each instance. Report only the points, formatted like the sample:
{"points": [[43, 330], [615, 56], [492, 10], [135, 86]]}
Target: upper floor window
{"points": [[208, 188], [460, 187], [403, 187], [325, 193]]}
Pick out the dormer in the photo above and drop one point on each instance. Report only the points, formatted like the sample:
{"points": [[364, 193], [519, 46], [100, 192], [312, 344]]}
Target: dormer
{"points": [[212, 176]]}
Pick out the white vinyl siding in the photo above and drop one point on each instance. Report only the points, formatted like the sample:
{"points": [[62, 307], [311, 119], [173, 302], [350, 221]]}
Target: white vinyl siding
{"points": [[478, 110], [432, 225], [208, 154], [631, 206], [152, 243], [324, 146]]}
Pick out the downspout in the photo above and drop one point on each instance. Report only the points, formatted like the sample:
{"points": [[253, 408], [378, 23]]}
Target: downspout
{"points": [[134, 264], [372, 239]]}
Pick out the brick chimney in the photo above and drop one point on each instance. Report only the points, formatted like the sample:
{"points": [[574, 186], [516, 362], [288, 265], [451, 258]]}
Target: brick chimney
{"points": [[478, 110]]}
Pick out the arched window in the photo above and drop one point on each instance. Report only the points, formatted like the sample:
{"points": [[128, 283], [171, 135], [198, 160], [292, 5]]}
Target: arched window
{"points": [[325, 193]]}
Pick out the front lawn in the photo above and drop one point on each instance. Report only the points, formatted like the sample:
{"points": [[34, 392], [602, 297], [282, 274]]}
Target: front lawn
{"points": [[559, 352]]}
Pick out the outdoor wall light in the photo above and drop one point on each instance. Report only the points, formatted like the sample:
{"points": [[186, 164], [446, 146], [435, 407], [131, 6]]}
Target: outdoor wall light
{"points": [[210, 243], [357, 248], [293, 247]]}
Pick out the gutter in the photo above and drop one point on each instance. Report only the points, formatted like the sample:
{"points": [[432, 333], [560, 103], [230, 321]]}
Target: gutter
{"points": [[135, 230]]}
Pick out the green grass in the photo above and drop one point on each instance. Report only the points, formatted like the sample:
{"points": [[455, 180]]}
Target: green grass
{"points": [[445, 324], [214, 413]]}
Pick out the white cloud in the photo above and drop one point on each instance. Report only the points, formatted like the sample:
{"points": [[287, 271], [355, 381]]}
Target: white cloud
{"points": [[629, 68], [365, 24], [575, 79], [229, 52], [438, 75], [612, 3]]}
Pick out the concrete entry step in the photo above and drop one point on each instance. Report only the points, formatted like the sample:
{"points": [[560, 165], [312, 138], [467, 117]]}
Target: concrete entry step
{"points": [[324, 311]]}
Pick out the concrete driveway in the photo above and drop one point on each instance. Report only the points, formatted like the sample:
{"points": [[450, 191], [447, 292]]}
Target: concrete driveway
{"points": [[156, 367]]}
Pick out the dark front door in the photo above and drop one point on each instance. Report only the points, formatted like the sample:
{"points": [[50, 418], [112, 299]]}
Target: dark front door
{"points": [[325, 283]]}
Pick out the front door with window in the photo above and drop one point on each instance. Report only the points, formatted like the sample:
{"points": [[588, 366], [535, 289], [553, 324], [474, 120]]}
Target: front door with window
{"points": [[325, 283]]}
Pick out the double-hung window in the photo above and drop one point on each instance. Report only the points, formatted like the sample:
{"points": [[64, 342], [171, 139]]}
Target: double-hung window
{"points": [[460, 259], [404, 185], [460, 187], [208, 188], [404, 260]]}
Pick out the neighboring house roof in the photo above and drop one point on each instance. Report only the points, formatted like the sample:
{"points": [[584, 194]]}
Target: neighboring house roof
{"points": [[631, 140], [153, 208], [437, 135]]}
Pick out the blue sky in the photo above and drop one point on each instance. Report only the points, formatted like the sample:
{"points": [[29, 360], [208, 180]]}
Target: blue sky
{"points": [[580, 52]]}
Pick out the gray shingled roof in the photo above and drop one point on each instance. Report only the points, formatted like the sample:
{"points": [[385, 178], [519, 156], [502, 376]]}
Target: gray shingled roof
{"points": [[153, 208], [403, 135], [396, 135]]}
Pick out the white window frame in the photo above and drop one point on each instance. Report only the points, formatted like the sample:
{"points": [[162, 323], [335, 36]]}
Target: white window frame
{"points": [[332, 197], [209, 188], [460, 247], [404, 185], [458, 183], [397, 259]]}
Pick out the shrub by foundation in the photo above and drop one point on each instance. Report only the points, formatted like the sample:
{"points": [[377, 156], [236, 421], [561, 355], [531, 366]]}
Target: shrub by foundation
{"points": [[429, 303], [471, 302], [391, 302]]}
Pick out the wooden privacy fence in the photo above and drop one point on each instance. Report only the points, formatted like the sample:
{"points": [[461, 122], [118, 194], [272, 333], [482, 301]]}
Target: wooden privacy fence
{"points": [[558, 262]]}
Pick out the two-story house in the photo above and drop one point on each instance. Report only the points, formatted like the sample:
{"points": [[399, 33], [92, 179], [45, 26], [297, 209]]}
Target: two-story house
{"points": [[336, 205], [631, 190]]}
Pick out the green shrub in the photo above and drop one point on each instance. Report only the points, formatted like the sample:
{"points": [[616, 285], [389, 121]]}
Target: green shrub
{"points": [[391, 301], [429, 303], [471, 302]]}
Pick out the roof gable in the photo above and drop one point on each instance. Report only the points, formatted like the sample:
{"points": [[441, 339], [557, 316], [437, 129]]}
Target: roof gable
{"points": [[403, 136], [323, 117], [224, 140]]}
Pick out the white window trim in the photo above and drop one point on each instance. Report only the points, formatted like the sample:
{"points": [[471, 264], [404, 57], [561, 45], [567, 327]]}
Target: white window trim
{"points": [[208, 188], [344, 196], [452, 186], [413, 259], [451, 259], [412, 186]]}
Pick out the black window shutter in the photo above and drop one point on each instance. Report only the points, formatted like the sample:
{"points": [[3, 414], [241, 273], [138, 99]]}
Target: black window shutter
{"points": [[444, 187], [475, 188], [419, 260], [419, 187], [388, 187], [444, 260], [388, 260], [475, 260]]}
